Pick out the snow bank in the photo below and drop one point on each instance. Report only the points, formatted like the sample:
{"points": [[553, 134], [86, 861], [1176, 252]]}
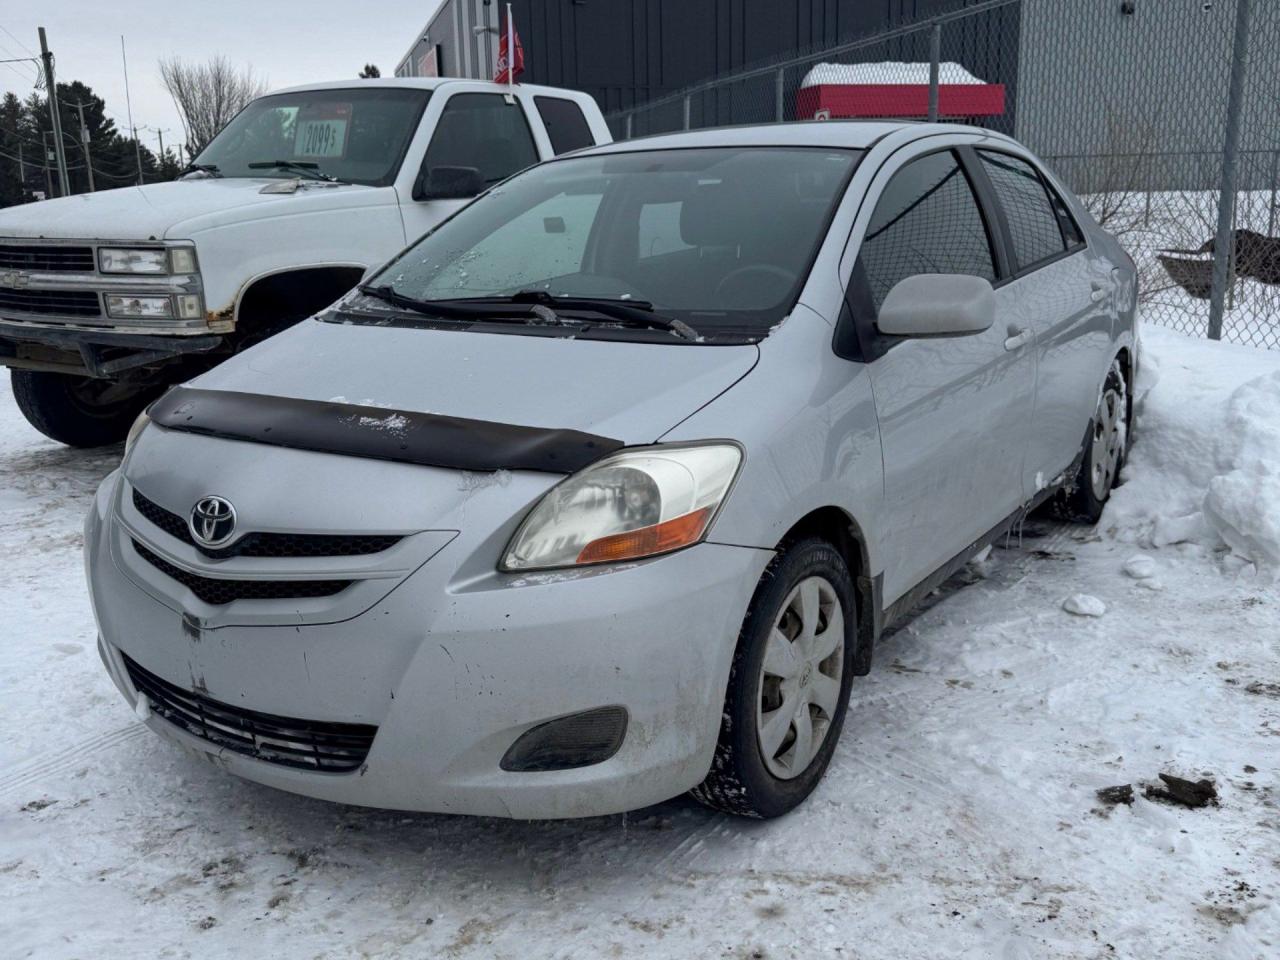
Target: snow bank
{"points": [[888, 71], [1205, 467]]}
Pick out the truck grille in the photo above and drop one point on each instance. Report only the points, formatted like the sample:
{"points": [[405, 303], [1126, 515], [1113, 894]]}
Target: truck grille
{"points": [[307, 744], [51, 258], [67, 303], [218, 591], [267, 544]]}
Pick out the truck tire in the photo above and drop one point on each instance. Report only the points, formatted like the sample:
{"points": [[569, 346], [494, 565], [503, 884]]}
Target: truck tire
{"points": [[78, 411]]}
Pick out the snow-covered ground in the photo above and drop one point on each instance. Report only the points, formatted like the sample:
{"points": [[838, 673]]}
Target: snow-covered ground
{"points": [[959, 817]]}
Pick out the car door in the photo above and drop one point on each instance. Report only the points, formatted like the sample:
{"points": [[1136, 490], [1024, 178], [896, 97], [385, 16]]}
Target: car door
{"points": [[1062, 295], [482, 129], [954, 412]]}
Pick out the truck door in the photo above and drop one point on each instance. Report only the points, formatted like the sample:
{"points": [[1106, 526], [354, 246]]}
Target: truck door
{"points": [[484, 132]]}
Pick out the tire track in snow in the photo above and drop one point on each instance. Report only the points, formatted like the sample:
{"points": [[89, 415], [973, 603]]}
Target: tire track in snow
{"points": [[40, 767]]}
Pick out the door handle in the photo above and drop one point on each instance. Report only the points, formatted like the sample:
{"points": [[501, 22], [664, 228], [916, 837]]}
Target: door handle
{"points": [[1101, 290], [1017, 337]]}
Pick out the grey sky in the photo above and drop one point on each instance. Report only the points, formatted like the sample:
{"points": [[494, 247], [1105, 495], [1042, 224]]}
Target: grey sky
{"points": [[286, 43]]}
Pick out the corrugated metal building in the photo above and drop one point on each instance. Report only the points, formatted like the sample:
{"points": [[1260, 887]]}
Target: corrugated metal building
{"points": [[625, 52]]}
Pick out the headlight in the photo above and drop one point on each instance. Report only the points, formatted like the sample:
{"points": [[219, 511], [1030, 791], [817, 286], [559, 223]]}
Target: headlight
{"points": [[137, 428], [638, 503], [147, 260], [187, 306], [125, 260], [143, 308]]}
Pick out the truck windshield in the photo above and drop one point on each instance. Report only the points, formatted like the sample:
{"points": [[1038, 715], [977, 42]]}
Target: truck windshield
{"points": [[354, 135], [719, 239]]}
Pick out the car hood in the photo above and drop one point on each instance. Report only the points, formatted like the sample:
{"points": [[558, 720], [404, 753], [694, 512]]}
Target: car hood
{"points": [[173, 210], [630, 392]]}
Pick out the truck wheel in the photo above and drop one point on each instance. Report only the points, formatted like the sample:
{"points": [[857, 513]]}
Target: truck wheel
{"points": [[79, 411]]}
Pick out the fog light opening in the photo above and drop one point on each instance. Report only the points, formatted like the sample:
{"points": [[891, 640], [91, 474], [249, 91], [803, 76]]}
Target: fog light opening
{"points": [[578, 740]]}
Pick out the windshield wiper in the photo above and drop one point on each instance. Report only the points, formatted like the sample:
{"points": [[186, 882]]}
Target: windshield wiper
{"points": [[304, 167], [211, 169], [459, 309], [535, 303], [637, 312]]}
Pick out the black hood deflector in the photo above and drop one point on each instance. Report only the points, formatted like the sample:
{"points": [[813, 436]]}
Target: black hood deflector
{"points": [[377, 433]]}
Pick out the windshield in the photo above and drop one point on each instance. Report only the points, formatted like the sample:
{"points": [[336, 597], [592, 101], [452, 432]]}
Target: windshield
{"points": [[353, 135], [720, 239]]}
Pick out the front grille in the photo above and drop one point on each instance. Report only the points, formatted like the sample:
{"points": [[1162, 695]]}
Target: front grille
{"points": [[52, 258], [69, 303], [267, 544], [308, 744], [217, 591]]}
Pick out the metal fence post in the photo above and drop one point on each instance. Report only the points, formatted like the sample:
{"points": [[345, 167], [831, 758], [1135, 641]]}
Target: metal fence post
{"points": [[687, 110], [1223, 245], [1275, 185], [935, 59], [779, 83], [628, 127]]}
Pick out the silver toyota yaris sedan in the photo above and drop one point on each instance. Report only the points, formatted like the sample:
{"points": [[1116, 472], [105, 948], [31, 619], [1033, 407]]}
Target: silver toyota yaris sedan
{"points": [[603, 490]]}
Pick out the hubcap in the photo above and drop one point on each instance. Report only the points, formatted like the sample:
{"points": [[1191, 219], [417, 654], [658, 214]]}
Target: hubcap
{"points": [[1108, 441], [800, 679]]}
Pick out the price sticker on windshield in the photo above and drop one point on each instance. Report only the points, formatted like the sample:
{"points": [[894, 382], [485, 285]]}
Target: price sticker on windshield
{"points": [[322, 130]]}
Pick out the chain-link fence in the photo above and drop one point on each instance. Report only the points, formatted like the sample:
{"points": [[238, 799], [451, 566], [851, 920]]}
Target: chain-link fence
{"points": [[1163, 115]]}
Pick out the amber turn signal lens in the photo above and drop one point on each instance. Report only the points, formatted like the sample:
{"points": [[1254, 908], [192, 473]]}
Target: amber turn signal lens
{"points": [[659, 538]]}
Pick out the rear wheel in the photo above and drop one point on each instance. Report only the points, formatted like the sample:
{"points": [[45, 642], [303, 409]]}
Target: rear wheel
{"points": [[1104, 455], [788, 687], [79, 411]]}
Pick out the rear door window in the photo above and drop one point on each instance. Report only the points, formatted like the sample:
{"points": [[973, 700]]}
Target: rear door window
{"points": [[483, 131], [1035, 228], [927, 220], [566, 126]]}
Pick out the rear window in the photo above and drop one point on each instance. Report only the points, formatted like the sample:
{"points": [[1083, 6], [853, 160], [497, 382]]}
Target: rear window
{"points": [[1034, 225], [565, 123]]}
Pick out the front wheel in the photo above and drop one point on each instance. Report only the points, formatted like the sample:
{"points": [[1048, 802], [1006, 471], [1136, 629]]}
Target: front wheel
{"points": [[1103, 457], [79, 411], [788, 687]]}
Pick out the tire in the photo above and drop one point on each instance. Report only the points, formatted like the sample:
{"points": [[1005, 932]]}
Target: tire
{"points": [[743, 780], [1106, 447], [78, 411]]}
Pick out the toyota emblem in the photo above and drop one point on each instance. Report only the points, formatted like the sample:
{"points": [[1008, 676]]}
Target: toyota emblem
{"points": [[213, 521]]}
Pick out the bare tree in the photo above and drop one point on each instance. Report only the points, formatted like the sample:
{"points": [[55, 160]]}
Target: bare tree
{"points": [[208, 95]]}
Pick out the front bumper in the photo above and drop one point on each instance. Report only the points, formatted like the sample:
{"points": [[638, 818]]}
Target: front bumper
{"points": [[89, 351], [452, 669]]}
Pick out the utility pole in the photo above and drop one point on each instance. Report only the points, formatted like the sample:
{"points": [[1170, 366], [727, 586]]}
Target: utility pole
{"points": [[52, 90], [84, 143]]}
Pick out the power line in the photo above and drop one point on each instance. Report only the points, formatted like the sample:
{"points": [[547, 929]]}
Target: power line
{"points": [[16, 40]]}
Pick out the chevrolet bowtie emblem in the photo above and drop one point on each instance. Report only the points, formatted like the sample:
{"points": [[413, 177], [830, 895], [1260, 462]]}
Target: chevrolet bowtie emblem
{"points": [[14, 279]]}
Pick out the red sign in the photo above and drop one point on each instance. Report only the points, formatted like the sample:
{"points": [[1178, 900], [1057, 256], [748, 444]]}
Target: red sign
{"points": [[506, 58]]}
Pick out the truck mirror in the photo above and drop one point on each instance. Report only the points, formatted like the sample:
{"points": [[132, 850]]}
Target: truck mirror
{"points": [[448, 183]]}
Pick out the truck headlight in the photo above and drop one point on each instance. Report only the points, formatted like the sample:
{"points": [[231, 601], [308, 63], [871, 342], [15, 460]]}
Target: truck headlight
{"points": [[638, 503], [184, 306], [152, 261]]}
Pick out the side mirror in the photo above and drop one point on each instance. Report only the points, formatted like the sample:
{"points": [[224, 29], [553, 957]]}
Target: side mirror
{"points": [[938, 305], [448, 183]]}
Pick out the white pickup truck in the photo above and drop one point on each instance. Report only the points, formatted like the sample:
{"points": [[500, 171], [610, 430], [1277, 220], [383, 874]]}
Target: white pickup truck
{"points": [[107, 298]]}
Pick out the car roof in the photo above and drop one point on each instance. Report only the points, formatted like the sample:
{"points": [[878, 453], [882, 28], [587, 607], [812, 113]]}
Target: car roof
{"points": [[850, 134]]}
